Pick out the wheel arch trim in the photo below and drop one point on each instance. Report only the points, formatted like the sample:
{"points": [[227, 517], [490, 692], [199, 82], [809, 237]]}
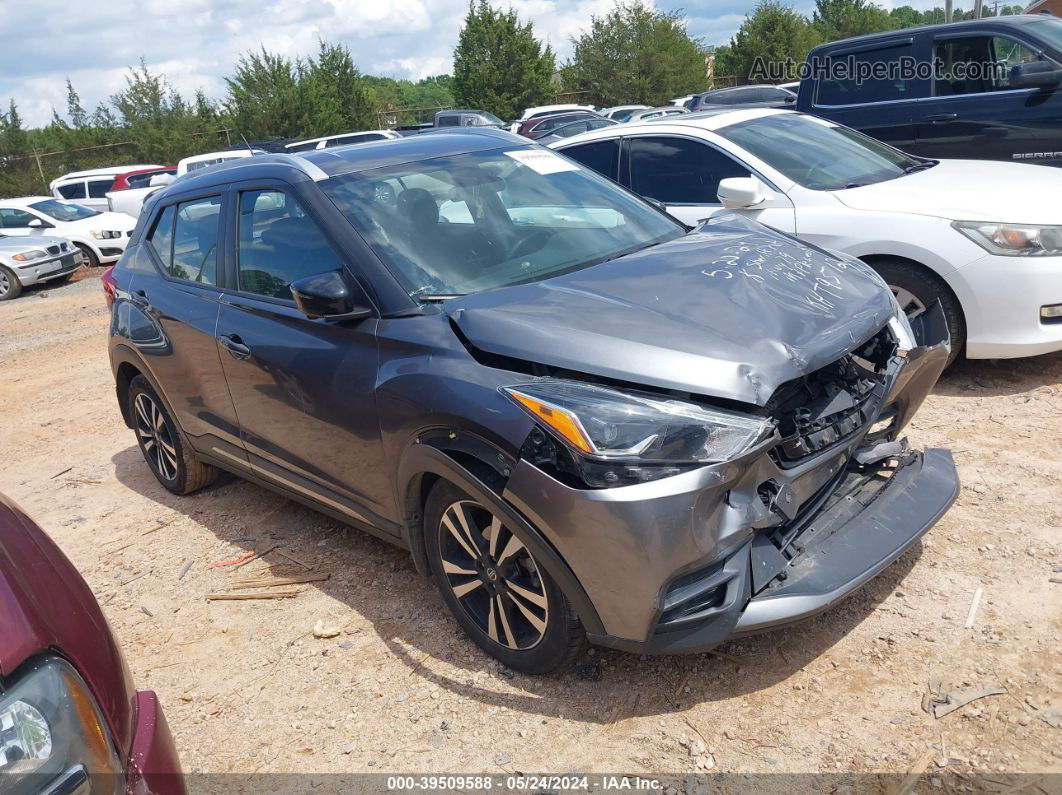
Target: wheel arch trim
{"points": [[122, 354], [425, 459]]}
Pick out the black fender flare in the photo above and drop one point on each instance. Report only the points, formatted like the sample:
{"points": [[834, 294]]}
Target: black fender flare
{"points": [[121, 354], [421, 459]]}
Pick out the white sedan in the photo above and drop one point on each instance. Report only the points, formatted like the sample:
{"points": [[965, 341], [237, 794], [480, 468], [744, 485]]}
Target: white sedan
{"points": [[102, 237], [25, 262], [983, 237]]}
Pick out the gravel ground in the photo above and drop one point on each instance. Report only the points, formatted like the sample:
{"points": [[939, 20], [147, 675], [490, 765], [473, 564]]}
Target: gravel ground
{"points": [[246, 686]]}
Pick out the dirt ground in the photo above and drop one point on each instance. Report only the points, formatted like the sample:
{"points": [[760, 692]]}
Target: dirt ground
{"points": [[247, 687]]}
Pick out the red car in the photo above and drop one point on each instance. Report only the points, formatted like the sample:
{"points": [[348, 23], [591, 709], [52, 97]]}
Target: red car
{"points": [[139, 178], [70, 718]]}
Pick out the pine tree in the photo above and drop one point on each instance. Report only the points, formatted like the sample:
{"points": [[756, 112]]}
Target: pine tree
{"points": [[840, 19], [636, 54], [772, 34], [499, 65], [78, 117]]}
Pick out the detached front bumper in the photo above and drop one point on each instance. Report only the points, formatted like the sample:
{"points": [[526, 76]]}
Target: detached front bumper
{"points": [[681, 564], [153, 766]]}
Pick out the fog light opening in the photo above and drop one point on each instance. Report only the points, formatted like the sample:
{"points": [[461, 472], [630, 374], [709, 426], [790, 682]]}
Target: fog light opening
{"points": [[1052, 313]]}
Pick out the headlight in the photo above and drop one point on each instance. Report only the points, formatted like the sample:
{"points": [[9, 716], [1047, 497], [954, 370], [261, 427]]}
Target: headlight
{"points": [[52, 736], [900, 326], [29, 256], [108, 235], [1014, 240], [613, 426]]}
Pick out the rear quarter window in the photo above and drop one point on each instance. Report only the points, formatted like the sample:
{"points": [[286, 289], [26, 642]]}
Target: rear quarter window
{"points": [[843, 85]]}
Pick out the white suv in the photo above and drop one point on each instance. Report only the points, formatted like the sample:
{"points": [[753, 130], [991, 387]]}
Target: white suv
{"points": [[89, 187], [329, 141]]}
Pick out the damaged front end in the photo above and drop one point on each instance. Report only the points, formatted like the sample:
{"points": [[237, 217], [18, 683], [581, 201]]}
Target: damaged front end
{"points": [[679, 558]]}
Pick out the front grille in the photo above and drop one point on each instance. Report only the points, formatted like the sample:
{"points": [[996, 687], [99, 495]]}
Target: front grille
{"points": [[832, 404], [53, 249]]}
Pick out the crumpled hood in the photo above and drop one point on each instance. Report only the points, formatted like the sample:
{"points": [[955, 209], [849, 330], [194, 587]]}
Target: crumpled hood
{"points": [[731, 310], [968, 190]]}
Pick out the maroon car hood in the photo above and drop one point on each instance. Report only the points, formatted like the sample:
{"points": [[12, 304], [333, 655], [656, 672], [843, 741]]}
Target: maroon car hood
{"points": [[45, 606]]}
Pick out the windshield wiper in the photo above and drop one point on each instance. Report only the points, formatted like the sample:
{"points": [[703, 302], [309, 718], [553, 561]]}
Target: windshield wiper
{"points": [[920, 166]]}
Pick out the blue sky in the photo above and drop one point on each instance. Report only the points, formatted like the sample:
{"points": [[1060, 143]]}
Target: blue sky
{"points": [[196, 42]]}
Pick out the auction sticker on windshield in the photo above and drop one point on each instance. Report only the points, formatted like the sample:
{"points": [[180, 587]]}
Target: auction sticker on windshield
{"points": [[542, 161]]}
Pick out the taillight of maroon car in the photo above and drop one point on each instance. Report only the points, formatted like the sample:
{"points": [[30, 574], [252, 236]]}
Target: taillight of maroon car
{"points": [[110, 286]]}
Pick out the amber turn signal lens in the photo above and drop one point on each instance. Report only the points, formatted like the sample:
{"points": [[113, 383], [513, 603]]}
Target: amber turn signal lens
{"points": [[563, 423]]}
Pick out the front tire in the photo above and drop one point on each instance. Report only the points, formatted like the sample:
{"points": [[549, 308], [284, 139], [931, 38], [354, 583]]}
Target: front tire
{"points": [[89, 256], [501, 597], [10, 286], [167, 452], [916, 289]]}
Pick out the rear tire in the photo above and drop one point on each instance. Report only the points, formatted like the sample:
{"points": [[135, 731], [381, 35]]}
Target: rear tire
{"points": [[917, 288], [10, 286], [506, 603], [89, 256], [164, 446]]}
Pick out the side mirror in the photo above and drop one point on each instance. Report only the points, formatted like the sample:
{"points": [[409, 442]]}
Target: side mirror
{"points": [[325, 295], [37, 223], [160, 180], [789, 100], [1035, 74], [740, 193]]}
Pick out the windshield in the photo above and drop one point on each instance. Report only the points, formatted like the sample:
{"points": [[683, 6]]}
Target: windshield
{"points": [[817, 154], [63, 212], [472, 222], [486, 119], [1049, 29]]}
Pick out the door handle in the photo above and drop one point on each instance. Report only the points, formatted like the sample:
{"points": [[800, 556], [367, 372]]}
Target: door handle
{"points": [[234, 345], [941, 117]]}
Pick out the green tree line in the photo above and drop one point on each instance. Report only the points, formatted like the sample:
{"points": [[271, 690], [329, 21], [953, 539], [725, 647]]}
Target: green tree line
{"points": [[635, 53], [774, 31], [268, 96]]}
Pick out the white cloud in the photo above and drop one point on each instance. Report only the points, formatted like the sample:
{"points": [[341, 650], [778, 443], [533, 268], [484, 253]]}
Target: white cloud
{"points": [[196, 42]]}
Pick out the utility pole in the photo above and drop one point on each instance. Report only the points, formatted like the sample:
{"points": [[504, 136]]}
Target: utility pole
{"points": [[947, 11], [977, 8]]}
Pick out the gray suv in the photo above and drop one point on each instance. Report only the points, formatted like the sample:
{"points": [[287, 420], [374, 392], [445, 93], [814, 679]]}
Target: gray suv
{"points": [[582, 418]]}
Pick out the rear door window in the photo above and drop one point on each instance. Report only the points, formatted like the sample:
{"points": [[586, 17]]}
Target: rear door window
{"points": [[846, 86], [72, 190], [679, 170], [161, 237], [195, 241]]}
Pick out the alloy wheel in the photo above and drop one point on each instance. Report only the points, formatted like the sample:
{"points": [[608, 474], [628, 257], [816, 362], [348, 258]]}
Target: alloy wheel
{"points": [[493, 576], [156, 437], [911, 305], [5, 283]]}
